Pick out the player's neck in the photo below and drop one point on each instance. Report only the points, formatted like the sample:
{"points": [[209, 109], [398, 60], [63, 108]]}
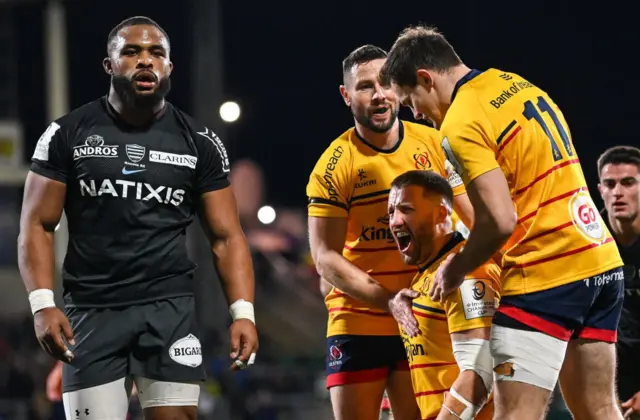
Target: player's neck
{"points": [[384, 141], [625, 232], [439, 242], [135, 116], [451, 79]]}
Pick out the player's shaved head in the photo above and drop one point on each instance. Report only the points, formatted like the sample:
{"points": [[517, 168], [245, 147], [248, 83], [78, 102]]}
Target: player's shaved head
{"points": [[417, 47], [359, 56], [619, 155], [430, 182], [132, 21]]}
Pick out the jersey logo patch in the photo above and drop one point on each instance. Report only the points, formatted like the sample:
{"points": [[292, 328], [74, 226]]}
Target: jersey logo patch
{"points": [[187, 351], [135, 152], [173, 159], [94, 147], [586, 217], [478, 299], [422, 161]]}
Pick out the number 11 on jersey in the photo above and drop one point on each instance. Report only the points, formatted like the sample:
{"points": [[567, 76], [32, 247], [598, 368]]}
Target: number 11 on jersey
{"points": [[531, 111]]}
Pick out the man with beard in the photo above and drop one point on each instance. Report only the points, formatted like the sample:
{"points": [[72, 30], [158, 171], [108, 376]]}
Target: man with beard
{"points": [[619, 170], [353, 248], [131, 171]]}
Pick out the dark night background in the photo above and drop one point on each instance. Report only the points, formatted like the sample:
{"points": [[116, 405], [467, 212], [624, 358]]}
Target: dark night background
{"points": [[282, 64]]}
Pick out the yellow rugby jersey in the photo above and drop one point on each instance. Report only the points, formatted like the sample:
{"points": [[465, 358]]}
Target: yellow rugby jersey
{"points": [[352, 180], [500, 120], [433, 366]]}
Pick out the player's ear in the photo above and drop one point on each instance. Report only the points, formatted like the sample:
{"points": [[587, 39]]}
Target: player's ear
{"points": [[600, 190], [106, 65], [170, 68], [424, 78], [345, 95]]}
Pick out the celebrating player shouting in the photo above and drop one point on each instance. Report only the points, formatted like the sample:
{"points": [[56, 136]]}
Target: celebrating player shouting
{"points": [[352, 245]]}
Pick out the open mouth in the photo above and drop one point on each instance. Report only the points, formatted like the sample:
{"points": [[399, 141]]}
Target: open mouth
{"points": [[381, 110], [404, 241], [145, 80]]}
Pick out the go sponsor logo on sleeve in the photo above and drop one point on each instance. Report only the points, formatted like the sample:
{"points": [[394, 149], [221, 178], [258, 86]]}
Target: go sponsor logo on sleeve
{"points": [[586, 218]]}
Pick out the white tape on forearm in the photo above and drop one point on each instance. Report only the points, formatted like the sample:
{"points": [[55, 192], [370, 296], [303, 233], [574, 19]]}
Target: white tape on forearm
{"points": [[241, 309], [40, 299]]}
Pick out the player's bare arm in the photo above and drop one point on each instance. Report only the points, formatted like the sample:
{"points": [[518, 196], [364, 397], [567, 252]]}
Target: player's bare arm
{"points": [[41, 211], [496, 219], [233, 262], [470, 390], [326, 239], [464, 209]]}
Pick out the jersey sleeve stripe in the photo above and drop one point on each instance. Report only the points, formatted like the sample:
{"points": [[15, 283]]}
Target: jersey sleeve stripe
{"points": [[368, 203], [319, 200], [429, 308], [550, 201], [505, 132], [437, 318], [508, 140], [434, 392], [357, 311], [430, 365], [369, 195], [546, 174], [557, 256], [392, 273], [358, 250]]}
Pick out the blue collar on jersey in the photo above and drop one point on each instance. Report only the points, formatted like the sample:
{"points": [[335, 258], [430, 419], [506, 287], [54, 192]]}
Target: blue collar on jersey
{"points": [[473, 73], [379, 150], [455, 239]]}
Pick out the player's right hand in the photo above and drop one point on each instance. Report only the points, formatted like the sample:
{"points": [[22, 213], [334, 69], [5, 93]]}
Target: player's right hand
{"points": [[51, 325], [400, 307]]}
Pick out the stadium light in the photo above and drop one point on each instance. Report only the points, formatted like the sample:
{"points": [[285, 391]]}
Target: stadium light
{"points": [[266, 215], [229, 111]]}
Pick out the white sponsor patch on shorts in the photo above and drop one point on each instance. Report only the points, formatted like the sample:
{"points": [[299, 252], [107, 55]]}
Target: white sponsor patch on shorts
{"points": [[187, 351], [478, 298], [173, 159]]}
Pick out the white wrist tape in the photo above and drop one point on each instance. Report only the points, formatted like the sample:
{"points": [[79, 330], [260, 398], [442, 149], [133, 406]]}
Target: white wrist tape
{"points": [[40, 299], [241, 309], [469, 412]]}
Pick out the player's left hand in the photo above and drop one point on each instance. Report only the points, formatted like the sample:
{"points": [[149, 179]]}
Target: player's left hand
{"points": [[632, 406], [244, 343], [400, 307], [446, 280]]}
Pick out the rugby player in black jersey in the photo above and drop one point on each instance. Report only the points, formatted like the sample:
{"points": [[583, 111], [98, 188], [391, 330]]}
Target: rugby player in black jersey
{"points": [[131, 172], [619, 171]]}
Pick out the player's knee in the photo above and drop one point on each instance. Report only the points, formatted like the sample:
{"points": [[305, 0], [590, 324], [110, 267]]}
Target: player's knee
{"points": [[171, 413], [168, 398]]}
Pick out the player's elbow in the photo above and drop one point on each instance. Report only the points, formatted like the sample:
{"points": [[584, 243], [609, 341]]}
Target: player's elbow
{"points": [[505, 223]]}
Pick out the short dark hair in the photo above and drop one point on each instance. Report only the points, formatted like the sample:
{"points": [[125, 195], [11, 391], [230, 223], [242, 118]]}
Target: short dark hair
{"points": [[617, 155], [430, 181], [417, 47], [361, 55], [133, 21]]}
